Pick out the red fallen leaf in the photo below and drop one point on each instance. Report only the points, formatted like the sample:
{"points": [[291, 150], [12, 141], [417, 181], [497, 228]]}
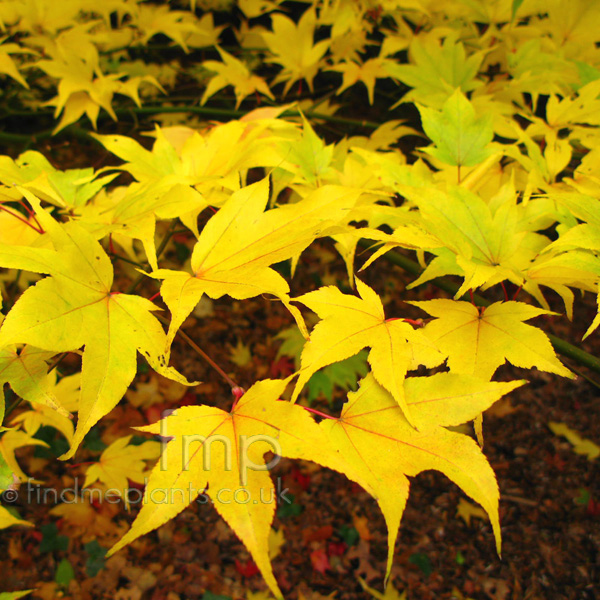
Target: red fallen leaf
{"points": [[336, 548], [284, 582], [246, 569], [302, 479], [153, 414], [36, 535], [320, 560], [317, 534], [188, 398], [593, 508], [554, 460], [282, 367]]}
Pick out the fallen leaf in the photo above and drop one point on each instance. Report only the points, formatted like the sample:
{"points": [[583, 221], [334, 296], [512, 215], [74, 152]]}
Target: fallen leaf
{"points": [[580, 445], [361, 524], [276, 540], [466, 510], [320, 560], [240, 354]]}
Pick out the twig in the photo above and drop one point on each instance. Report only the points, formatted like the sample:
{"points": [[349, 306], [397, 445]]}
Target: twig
{"points": [[184, 336], [518, 500]]}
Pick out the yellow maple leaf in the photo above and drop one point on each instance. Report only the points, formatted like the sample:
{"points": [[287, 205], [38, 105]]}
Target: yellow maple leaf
{"points": [[276, 540], [66, 391], [291, 46], [83, 312], [390, 592], [26, 370], [82, 520], [381, 450], [466, 510], [241, 354], [239, 243], [7, 519], [16, 230], [350, 324], [580, 445], [233, 72], [479, 342], [223, 453], [7, 64], [121, 462], [367, 72], [176, 24], [9, 442], [158, 389]]}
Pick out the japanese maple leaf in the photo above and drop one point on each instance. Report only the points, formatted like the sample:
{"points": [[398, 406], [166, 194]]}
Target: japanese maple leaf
{"points": [[7, 65], [479, 342], [9, 442], [292, 47], [460, 138], [26, 370], [222, 453], [381, 449], [485, 246], [66, 390], [233, 72], [75, 307], [239, 243], [121, 462], [436, 70], [7, 519], [367, 72], [350, 324]]}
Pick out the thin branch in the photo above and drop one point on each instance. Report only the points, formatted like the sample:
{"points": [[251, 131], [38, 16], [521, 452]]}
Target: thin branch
{"points": [[18, 138], [203, 354], [12, 407], [126, 260]]}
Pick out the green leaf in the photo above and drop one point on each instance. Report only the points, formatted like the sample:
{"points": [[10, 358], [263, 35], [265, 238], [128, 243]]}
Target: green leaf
{"points": [[95, 561], [6, 475], [349, 535], [290, 509], [437, 69], [422, 561], [460, 138], [343, 374], [64, 573], [210, 596], [51, 541]]}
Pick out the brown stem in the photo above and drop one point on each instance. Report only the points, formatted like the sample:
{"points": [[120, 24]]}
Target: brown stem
{"points": [[203, 354]]}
